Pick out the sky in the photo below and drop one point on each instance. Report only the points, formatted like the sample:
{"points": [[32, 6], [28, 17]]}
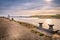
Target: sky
{"points": [[29, 7]]}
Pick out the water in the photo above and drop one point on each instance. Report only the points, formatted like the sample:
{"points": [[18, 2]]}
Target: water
{"points": [[45, 22]]}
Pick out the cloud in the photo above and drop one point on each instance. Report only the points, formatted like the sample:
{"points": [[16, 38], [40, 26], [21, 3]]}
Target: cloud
{"points": [[27, 6], [55, 3]]}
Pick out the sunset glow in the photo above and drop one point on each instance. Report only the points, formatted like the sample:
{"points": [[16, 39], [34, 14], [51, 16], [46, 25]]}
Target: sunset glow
{"points": [[48, 1], [29, 7]]}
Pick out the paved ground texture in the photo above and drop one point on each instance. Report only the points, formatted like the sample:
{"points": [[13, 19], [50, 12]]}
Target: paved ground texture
{"points": [[10, 30]]}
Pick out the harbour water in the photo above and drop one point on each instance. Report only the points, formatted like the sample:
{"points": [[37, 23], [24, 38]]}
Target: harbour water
{"points": [[45, 22]]}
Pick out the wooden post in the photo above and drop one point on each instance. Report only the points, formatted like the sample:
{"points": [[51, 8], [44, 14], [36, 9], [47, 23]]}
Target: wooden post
{"points": [[12, 19]]}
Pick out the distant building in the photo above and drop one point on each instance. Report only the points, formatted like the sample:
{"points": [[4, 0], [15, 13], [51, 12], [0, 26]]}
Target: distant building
{"points": [[9, 16]]}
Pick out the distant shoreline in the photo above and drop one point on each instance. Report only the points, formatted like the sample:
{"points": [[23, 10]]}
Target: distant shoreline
{"points": [[57, 16]]}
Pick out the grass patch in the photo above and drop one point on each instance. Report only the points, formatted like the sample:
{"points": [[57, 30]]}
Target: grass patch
{"points": [[28, 25], [36, 32], [31, 26]]}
